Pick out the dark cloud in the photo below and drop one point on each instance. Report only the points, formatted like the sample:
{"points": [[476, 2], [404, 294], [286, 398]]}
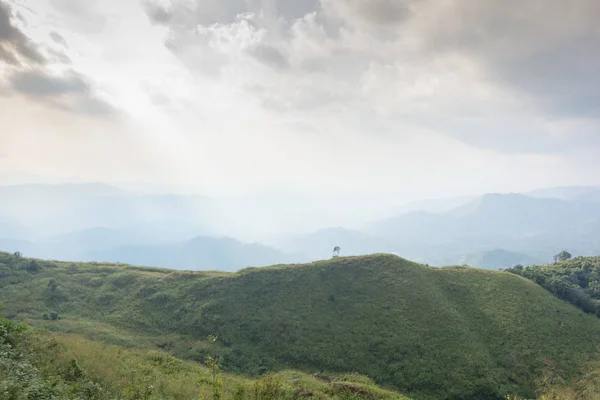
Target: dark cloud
{"points": [[70, 91], [29, 74], [545, 50], [15, 46], [268, 55], [225, 12], [157, 13], [8, 56], [21, 18], [35, 83], [294, 9], [93, 106], [29, 77], [59, 57], [382, 11], [59, 39], [208, 12]]}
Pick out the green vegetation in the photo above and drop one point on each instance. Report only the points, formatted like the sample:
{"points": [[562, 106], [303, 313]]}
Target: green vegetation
{"points": [[574, 280], [37, 365], [562, 256], [449, 333]]}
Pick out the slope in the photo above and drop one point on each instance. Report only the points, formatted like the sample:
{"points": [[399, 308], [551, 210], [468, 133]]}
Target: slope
{"points": [[35, 364], [450, 333], [576, 281]]}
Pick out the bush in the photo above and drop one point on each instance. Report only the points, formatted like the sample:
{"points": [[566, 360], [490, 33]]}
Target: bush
{"points": [[33, 266]]}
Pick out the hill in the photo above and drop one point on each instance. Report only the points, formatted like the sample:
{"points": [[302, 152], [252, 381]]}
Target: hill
{"points": [[576, 281], [431, 333], [35, 364]]}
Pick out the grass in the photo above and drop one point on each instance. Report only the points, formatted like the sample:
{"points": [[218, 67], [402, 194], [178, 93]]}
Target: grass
{"points": [[62, 366], [575, 280], [431, 333]]}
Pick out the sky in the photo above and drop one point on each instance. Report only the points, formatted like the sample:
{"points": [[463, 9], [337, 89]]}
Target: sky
{"points": [[402, 98]]}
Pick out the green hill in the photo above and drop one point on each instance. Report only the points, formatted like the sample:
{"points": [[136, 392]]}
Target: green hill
{"points": [[449, 333], [37, 365], [576, 281]]}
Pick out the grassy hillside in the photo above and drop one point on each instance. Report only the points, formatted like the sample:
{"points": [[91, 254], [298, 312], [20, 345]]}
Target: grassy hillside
{"points": [[576, 281], [450, 333], [37, 365]]}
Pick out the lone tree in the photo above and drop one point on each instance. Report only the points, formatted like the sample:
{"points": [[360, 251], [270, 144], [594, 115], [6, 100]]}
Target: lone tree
{"points": [[336, 251], [562, 256]]}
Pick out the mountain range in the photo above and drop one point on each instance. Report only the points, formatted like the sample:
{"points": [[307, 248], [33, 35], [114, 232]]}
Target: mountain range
{"points": [[97, 222]]}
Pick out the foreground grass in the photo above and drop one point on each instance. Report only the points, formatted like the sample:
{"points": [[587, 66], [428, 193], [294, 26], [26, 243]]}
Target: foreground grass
{"points": [[39, 365], [450, 333]]}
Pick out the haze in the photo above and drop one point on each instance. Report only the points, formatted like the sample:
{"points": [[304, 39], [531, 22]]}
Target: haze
{"points": [[282, 118]]}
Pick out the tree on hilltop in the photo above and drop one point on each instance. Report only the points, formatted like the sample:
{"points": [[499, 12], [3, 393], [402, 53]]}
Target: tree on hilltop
{"points": [[562, 256], [336, 251]]}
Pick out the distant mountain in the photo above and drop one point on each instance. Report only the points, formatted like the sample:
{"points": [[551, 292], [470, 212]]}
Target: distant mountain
{"points": [[439, 205], [13, 230], [59, 209], [491, 259], [200, 253], [579, 193], [537, 227], [82, 221], [138, 234], [174, 244]]}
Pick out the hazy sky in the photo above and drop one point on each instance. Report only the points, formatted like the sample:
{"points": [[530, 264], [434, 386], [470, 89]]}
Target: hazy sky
{"points": [[431, 97]]}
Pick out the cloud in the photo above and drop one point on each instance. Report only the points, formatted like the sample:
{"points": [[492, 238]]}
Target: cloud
{"points": [[58, 39], [42, 77], [69, 91], [375, 12], [58, 56], [268, 55], [15, 47], [81, 15], [477, 71], [35, 83], [546, 50], [157, 13]]}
